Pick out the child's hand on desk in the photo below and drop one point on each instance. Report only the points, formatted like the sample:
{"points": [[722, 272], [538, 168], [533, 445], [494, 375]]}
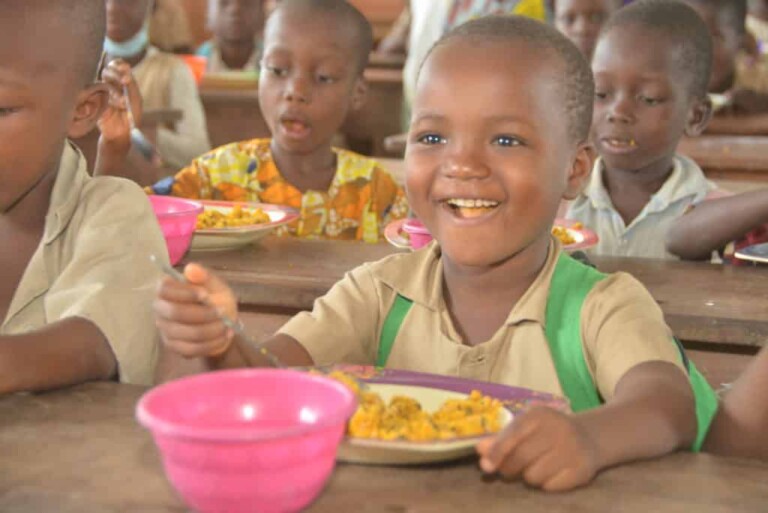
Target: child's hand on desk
{"points": [[114, 124], [187, 314], [544, 447]]}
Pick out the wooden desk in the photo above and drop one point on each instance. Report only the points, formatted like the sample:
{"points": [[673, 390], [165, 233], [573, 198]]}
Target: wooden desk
{"points": [[754, 124], [235, 115], [729, 157], [80, 450], [705, 303]]}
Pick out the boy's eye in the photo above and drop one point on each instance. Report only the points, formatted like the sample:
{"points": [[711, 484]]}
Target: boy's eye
{"points": [[649, 100], [276, 70], [507, 141], [326, 79], [601, 95], [5, 111], [431, 139]]}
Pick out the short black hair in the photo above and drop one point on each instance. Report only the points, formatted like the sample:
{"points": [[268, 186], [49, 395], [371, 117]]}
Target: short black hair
{"points": [[679, 24], [346, 17], [574, 76], [733, 11]]}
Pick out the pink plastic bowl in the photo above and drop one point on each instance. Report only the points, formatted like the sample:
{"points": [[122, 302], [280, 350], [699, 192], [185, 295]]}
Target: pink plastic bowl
{"points": [[248, 440], [177, 218], [417, 232]]}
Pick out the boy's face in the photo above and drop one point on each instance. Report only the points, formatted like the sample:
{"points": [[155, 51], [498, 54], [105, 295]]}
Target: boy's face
{"points": [[489, 156], [125, 18], [239, 20], [642, 101], [727, 42], [41, 100], [309, 83], [581, 21]]}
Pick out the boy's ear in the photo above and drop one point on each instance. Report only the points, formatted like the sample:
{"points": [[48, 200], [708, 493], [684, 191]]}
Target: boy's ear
{"points": [[698, 117], [581, 169], [91, 102], [359, 94]]}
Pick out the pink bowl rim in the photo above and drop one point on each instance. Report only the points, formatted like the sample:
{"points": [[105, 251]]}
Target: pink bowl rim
{"points": [[168, 428], [415, 226], [194, 207]]}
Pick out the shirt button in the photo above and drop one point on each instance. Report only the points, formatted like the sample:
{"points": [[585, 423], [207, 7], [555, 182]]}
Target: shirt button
{"points": [[480, 359]]}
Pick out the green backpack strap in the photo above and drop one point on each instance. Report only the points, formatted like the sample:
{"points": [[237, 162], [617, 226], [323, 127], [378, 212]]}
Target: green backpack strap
{"points": [[571, 283], [391, 327]]}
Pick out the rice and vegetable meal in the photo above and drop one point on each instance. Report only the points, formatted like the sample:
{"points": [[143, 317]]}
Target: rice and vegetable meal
{"points": [[236, 217], [404, 419], [563, 233]]}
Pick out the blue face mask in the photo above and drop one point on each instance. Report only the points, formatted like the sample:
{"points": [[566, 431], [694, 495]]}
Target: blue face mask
{"points": [[129, 48]]}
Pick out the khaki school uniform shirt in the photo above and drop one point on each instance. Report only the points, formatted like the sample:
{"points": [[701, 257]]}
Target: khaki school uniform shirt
{"points": [[93, 262], [621, 327]]}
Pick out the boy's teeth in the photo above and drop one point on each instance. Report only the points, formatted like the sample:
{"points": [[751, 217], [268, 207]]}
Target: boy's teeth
{"points": [[472, 203]]}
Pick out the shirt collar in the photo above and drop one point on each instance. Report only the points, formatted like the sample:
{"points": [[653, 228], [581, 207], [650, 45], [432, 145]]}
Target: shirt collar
{"points": [[71, 177], [686, 180], [419, 277]]}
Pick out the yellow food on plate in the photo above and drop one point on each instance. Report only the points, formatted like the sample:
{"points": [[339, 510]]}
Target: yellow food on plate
{"points": [[236, 217], [563, 233], [404, 419]]}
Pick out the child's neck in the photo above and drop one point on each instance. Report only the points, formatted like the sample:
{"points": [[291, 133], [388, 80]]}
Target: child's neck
{"points": [[479, 300], [307, 171], [236, 54], [134, 60], [631, 190]]}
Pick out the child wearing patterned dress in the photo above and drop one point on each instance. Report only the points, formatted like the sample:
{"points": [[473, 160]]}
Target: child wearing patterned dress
{"points": [[307, 87]]}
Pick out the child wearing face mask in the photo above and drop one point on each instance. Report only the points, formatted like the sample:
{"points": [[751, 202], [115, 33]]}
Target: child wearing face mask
{"points": [[164, 80]]}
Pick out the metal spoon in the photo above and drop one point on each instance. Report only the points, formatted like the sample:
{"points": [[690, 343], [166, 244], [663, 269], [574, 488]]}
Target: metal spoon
{"points": [[138, 139], [235, 326]]}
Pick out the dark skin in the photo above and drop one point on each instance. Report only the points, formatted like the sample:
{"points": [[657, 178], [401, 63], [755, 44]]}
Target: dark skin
{"points": [[581, 21], [712, 224], [124, 20], [758, 9], [506, 145], [643, 106], [35, 119], [307, 87], [237, 24], [739, 427]]}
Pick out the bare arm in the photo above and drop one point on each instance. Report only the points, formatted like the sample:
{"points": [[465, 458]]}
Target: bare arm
{"points": [[740, 426], [652, 413], [64, 353], [712, 224]]}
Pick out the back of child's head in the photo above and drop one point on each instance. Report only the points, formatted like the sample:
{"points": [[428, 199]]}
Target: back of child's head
{"points": [[569, 68], [726, 22], [677, 25], [339, 14]]}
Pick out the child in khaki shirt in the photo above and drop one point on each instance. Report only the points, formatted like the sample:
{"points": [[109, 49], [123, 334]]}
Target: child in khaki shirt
{"points": [[75, 280], [494, 298]]}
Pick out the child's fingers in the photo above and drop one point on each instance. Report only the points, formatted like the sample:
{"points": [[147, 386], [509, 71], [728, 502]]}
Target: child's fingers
{"points": [[176, 292], [197, 350], [185, 313], [120, 70], [544, 468], [503, 444], [526, 453], [566, 479], [192, 333], [212, 284]]}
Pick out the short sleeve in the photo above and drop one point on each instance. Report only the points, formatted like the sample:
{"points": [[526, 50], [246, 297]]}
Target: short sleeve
{"points": [[622, 327], [343, 324], [109, 279]]}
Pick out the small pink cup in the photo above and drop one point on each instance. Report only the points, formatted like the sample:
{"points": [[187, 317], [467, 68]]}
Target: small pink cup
{"points": [[178, 219], [417, 232]]}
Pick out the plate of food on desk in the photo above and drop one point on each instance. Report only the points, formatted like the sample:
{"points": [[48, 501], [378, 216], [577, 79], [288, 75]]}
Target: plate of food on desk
{"points": [[757, 253], [408, 418], [229, 225], [411, 234]]}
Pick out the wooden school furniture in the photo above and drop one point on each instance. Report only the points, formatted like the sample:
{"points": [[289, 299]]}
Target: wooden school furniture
{"points": [[233, 113], [729, 157], [81, 449]]}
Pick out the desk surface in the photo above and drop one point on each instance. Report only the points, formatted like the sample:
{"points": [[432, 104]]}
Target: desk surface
{"points": [[702, 302], [80, 450]]}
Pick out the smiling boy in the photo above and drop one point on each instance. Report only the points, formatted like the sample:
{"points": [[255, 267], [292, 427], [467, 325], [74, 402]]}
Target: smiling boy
{"points": [[307, 87], [494, 298]]}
